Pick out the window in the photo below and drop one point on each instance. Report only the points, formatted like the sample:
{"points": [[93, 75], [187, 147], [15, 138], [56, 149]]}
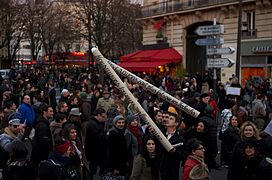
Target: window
{"points": [[248, 24]]}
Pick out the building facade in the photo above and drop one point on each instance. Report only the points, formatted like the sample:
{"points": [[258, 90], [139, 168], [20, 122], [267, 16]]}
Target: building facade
{"points": [[175, 22]]}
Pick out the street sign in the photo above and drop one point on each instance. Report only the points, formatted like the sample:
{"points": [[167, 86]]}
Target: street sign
{"points": [[209, 42], [225, 50], [219, 62], [209, 30]]}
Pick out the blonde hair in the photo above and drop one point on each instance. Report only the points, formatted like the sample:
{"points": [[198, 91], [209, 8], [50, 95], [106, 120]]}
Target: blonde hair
{"points": [[256, 134]]}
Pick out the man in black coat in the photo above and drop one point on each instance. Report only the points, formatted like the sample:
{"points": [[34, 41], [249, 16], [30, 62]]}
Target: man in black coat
{"points": [[95, 142], [42, 142], [52, 97], [118, 155], [170, 161], [212, 133]]}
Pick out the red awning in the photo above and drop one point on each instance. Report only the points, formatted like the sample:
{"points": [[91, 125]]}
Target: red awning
{"points": [[141, 66], [149, 60]]}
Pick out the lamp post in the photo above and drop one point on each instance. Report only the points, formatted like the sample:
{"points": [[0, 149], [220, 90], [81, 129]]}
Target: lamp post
{"points": [[239, 34]]}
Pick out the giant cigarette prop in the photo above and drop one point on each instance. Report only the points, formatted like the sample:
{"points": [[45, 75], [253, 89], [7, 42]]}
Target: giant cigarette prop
{"points": [[112, 74], [153, 89]]}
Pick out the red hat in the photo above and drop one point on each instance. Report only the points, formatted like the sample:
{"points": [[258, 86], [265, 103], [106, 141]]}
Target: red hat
{"points": [[62, 148]]}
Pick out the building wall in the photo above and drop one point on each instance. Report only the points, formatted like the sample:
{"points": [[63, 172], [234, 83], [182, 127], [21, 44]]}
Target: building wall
{"points": [[177, 24]]}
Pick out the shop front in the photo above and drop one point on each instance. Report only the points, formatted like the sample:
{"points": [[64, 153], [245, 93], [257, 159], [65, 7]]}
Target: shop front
{"points": [[256, 60]]}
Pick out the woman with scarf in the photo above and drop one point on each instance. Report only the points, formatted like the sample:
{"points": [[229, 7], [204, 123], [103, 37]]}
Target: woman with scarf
{"points": [[194, 167], [134, 138], [61, 162]]}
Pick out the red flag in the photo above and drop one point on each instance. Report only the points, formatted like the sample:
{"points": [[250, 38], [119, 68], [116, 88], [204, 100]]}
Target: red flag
{"points": [[158, 25]]}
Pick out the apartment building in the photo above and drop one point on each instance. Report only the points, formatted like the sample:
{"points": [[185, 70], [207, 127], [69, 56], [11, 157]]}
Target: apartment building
{"points": [[172, 23]]}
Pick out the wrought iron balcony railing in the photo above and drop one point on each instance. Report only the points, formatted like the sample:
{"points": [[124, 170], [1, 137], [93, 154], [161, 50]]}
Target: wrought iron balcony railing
{"points": [[177, 5]]}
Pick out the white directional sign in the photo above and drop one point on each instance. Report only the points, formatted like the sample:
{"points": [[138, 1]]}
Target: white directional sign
{"points": [[209, 42], [209, 30], [219, 62], [225, 50]]}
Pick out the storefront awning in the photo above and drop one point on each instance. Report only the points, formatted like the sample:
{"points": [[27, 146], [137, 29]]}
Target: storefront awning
{"points": [[149, 60], [141, 66]]}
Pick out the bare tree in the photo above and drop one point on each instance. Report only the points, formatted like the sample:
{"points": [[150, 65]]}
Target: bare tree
{"points": [[11, 24], [106, 24]]}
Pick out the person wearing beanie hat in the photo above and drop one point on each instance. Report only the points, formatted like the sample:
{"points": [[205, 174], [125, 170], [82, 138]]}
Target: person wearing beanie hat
{"points": [[61, 163], [117, 118], [62, 148], [204, 101], [133, 135], [14, 131], [118, 152]]}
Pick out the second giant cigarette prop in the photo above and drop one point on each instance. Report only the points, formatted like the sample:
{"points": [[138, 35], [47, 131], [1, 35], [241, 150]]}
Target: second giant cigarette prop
{"points": [[153, 89], [112, 74]]}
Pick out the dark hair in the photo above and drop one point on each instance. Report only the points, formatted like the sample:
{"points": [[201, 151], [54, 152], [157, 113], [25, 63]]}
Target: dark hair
{"points": [[60, 117], [66, 130], [18, 150], [178, 119], [98, 111], [44, 107], [61, 104], [156, 112], [8, 104], [192, 145], [151, 162]]}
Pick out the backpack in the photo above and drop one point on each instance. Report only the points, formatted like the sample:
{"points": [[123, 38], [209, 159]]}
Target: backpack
{"points": [[199, 172], [49, 169]]}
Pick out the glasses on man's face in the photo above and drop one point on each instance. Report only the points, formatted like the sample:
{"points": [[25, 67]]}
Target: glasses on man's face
{"points": [[15, 126], [200, 148]]}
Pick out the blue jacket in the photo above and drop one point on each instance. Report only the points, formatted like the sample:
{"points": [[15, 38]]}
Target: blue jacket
{"points": [[27, 112]]}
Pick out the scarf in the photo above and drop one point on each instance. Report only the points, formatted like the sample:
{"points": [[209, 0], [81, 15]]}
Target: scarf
{"points": [[137, 133]]}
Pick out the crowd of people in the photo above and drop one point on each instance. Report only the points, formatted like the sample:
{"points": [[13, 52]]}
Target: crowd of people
{"points": [[92, 130]]}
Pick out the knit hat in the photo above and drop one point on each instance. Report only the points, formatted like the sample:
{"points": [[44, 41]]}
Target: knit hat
{"points": [[83, 95], [116, 118], [131, 118], [203, 95], [62, 148]]}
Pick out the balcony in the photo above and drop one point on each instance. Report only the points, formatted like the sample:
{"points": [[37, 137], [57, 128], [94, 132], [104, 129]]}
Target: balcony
{"points": [[249, 34], [173, 6]]}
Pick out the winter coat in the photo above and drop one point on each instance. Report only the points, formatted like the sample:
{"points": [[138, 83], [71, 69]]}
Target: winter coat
{"points": [[230, 138], [188, 166], [86, 110], [6, 140], [170, 162], [19, 170], [95, 141], [117, 150], [57, 167], [42, 142], [52, 99], [225, 115], [258, 109], [105, 103], [141, 171], [28, 114]]}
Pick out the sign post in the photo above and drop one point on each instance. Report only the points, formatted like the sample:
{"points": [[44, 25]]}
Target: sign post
{"points": [[213, 43]]}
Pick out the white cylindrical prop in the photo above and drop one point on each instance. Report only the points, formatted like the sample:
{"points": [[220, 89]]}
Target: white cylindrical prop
{"points": [[112, 74], [153, 89]]}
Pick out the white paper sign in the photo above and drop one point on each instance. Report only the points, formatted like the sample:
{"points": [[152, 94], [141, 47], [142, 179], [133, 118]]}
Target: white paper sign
{"points": [[233, 91]]}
